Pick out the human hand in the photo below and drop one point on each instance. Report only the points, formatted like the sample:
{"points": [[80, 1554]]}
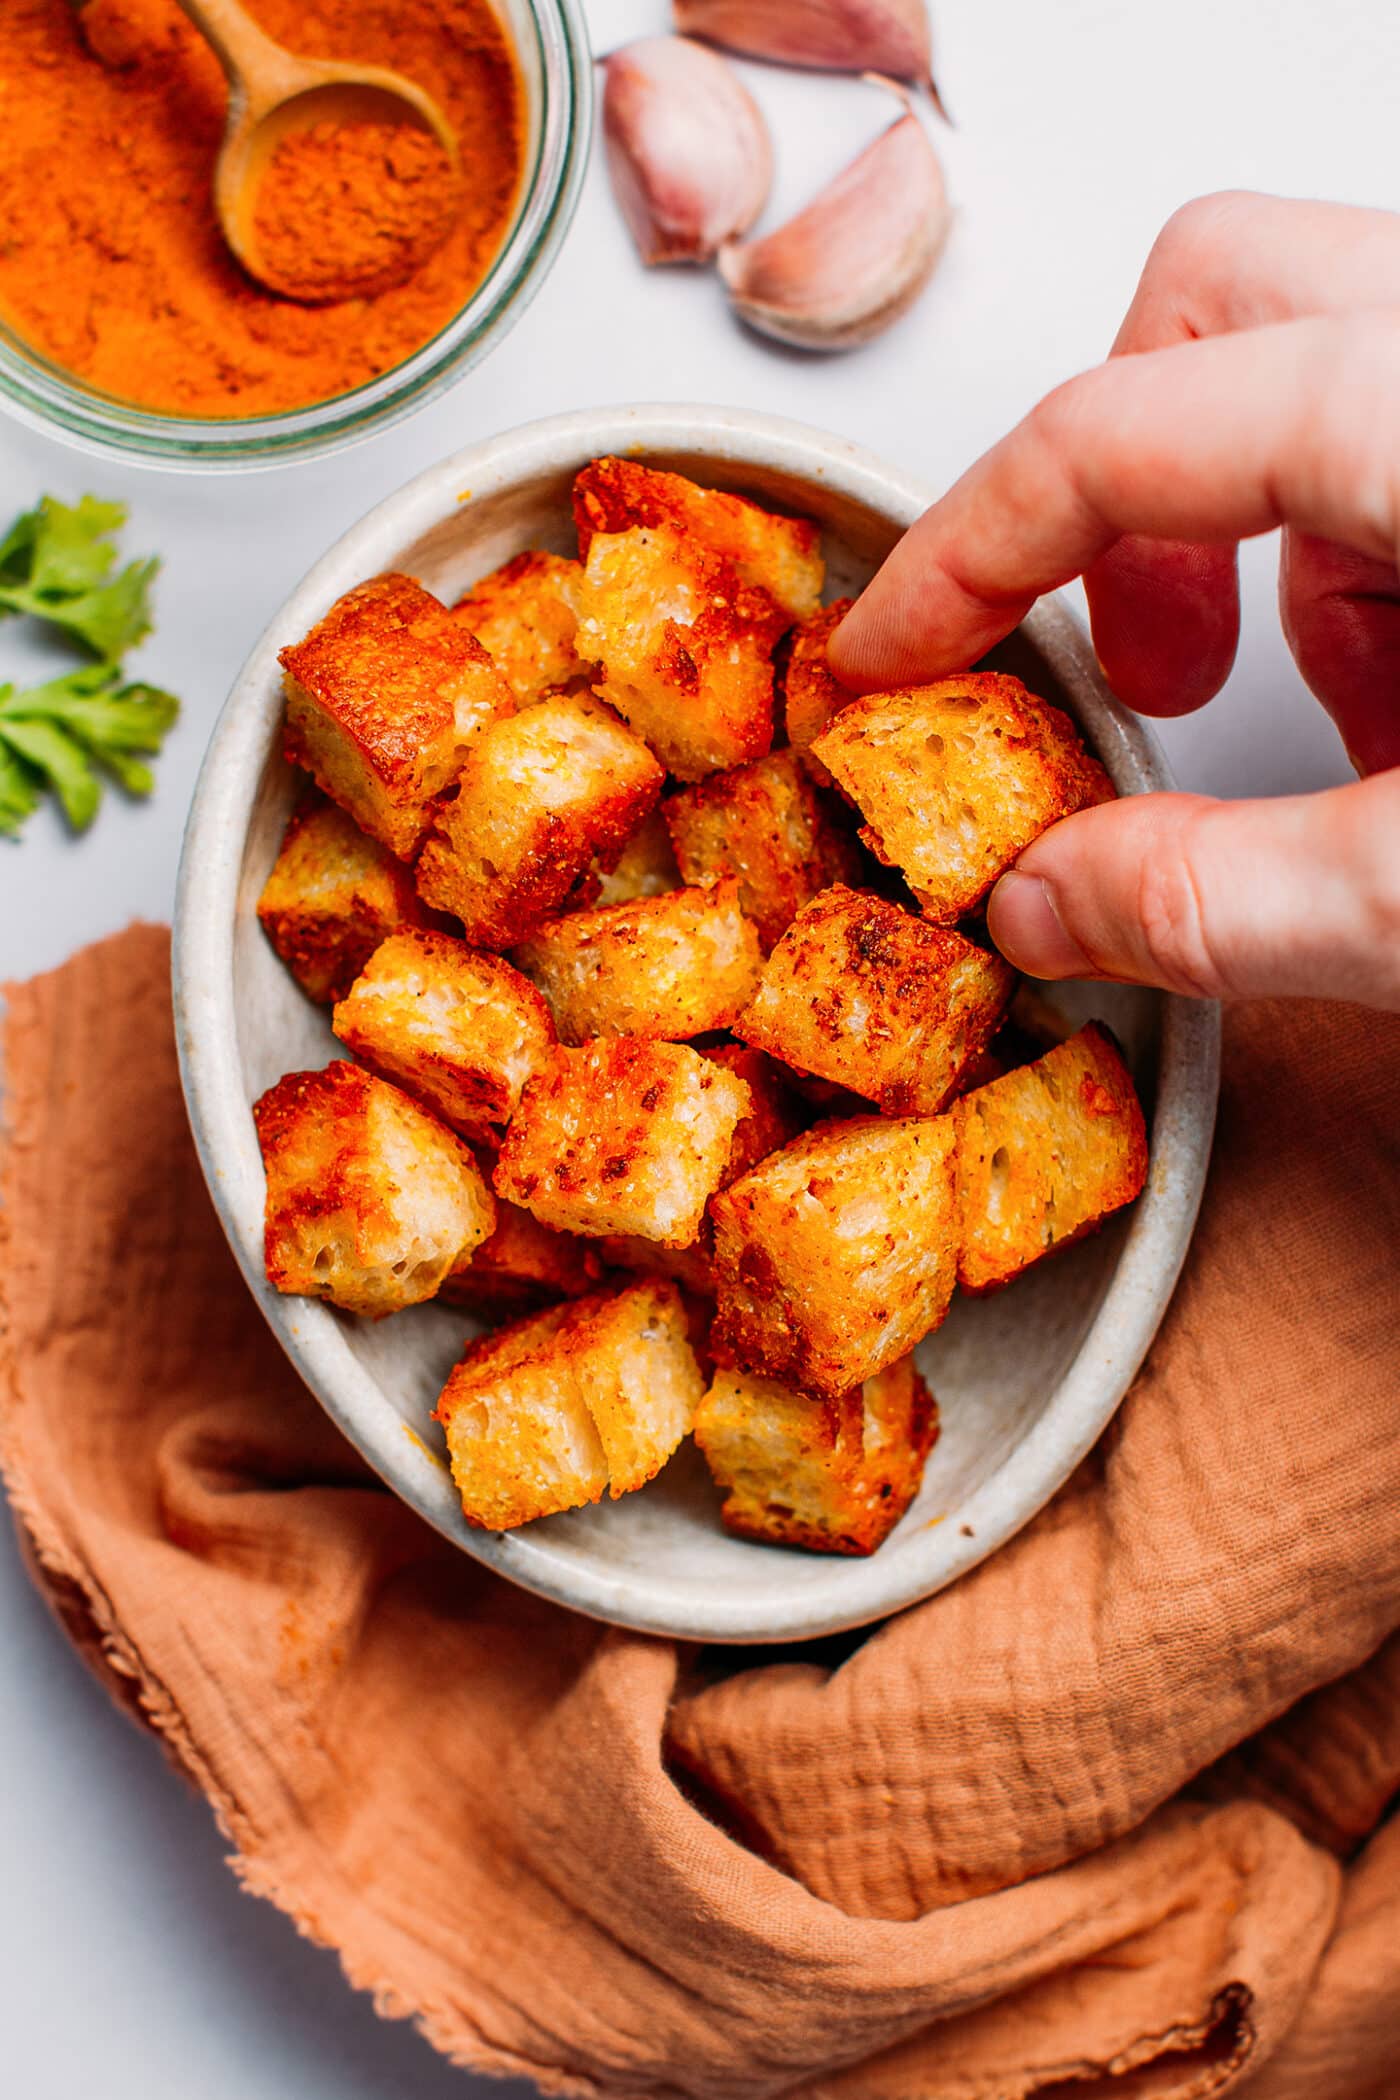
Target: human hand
{"points": [[1255, 383]]}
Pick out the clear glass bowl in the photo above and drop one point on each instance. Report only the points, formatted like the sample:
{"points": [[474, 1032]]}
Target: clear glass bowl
{"points": [[556, 67]]}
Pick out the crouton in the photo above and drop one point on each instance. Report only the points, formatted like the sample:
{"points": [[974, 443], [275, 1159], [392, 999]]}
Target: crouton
{"points": [[1044, 1154], [781, 555], [333, 895], [369, 1200], [812, 693], [459, 1031], [521, 1266], [545, 1414], [833, 1476], [541, 797], [646, 866], [836, 1255], [523, 616], [956, 779], [763, 825], [622, 1136], [862, 993], [668, 967], [684, 648], [384, 697], [774, 1116]]}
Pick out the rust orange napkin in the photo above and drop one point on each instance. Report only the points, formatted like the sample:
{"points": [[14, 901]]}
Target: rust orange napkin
{"points": [[1106, 1819]]}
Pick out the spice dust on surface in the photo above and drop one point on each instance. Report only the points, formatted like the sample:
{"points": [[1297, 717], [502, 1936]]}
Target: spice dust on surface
{"points": [[111, 260]]}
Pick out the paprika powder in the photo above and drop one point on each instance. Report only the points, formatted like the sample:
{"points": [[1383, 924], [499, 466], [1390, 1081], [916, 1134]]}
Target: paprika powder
{"points": [[112, 264]]}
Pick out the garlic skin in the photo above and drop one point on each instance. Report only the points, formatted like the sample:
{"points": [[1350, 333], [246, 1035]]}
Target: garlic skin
{"points": [[839, 36], [853, 259], [688, 150]]}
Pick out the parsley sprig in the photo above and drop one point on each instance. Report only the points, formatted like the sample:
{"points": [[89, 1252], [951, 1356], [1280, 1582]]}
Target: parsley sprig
{"points": [[58, 564]]}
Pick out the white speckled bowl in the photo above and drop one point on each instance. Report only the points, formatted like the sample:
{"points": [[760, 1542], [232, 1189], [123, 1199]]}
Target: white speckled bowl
{"points": [[1025, 1380]]}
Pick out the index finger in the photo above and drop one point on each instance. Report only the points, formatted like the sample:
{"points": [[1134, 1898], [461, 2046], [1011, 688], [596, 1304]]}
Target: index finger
{"points": [[1214, 440]]}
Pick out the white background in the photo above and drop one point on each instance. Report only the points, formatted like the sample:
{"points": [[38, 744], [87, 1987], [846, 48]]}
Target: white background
{"points": [[131, 1965]]}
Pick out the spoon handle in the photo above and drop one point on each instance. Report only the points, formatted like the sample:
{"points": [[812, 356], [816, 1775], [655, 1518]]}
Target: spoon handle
{"points": [[257, 67]]}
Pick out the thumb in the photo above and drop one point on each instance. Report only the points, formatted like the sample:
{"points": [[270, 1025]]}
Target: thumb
{"points": [[1218, 900]]}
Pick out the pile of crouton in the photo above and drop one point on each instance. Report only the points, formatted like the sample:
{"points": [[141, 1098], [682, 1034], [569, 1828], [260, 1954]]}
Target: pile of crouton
{"points": [[675, 1052]]}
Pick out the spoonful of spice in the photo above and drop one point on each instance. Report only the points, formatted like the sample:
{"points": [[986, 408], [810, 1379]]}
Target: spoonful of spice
{"points": [[333, 181]]}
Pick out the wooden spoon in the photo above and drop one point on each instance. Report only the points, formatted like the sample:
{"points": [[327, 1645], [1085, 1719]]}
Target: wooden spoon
{"points": [[273, 92]]}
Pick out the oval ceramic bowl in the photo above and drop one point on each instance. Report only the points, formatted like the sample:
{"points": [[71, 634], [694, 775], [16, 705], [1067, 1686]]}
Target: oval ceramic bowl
{"points": [[1025, 1380]]}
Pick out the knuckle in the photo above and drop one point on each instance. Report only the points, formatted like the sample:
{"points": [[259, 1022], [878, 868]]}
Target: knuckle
{"points": [[1174, 921]]}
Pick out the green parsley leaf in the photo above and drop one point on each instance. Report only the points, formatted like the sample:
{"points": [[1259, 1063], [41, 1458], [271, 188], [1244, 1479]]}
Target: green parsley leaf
{"points": [[56, 563], [56, 733]]}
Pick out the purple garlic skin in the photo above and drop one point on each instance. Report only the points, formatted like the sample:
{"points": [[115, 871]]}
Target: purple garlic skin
{"points": [[688, 150], [853, 259], [840, 36]]}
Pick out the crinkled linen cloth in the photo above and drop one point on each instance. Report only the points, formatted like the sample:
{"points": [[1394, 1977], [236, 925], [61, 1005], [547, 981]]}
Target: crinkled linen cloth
{"points": [[1107, 1818]]}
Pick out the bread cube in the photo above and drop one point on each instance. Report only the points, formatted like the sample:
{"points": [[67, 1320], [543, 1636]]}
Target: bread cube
{"points": [[522, 1265], [541, 797], [684, 648], [954, 780], [836, 1255], [333, 895], [384, 697], [763, 825], [623, 1136], [369, 1200], [781, 555], [1044, 1154], [668, 967], [544, 1415], [646, 866], [812, 693], [864, 994], [523, 616], [833, 1476], [458, 1030]]}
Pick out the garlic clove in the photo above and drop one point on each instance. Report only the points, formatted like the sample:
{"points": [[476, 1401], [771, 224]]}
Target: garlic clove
{"points": [[688, 150], [839, 36], [856, 257]]}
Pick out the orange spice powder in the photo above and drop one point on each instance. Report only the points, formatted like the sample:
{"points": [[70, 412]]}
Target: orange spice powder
{"points": [[346, 210], [111, 259]]}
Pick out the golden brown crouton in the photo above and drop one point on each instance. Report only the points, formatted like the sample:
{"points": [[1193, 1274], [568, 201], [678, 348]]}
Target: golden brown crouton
{"points": [[1044, 1155], [541, 797], [781, 555], [956, 779], [862, 993], [834, 1476], [774, 1115], [384, 696], [369, 1200], [332, 897], [522, 1265], [763, 825], [459, 1030], [668, 967], [812, 693], [622, 1136], [837, 1254], [543, 1415], [646, 866], [684, 648], [523, 616]]}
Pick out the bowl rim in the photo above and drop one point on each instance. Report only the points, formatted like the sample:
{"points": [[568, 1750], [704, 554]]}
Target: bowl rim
{"points": [[850, 1592], [40, 394]]}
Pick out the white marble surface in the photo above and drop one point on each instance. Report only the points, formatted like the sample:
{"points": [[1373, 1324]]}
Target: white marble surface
{"points": [[131, 1964]]}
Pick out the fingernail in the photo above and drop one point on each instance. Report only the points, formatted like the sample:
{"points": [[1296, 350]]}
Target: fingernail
{"points": [[1023, 921]]}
